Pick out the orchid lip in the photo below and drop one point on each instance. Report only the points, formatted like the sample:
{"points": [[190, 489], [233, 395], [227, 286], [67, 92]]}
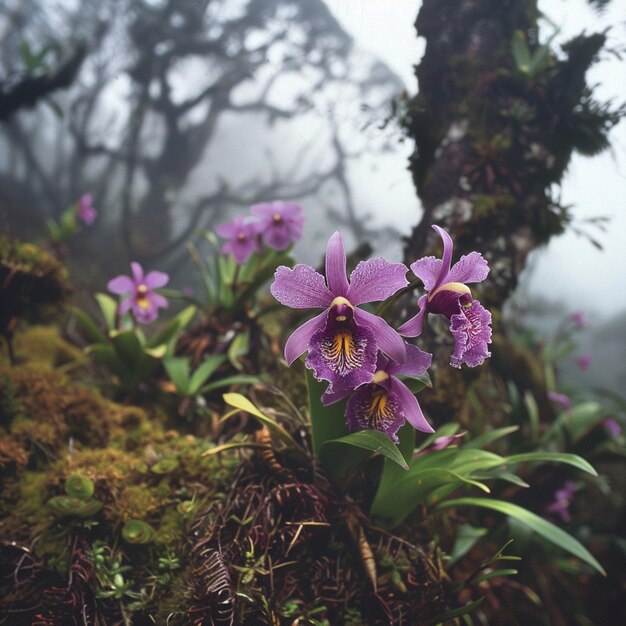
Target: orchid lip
{"points": [[458, 287]]}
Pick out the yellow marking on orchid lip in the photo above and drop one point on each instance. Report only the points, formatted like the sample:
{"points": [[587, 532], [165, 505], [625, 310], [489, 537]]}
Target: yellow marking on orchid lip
{"points": [[340, 300], [341, 318], [143, 302], [458, 287], [343, 351], [376, 413], [379, 376]]}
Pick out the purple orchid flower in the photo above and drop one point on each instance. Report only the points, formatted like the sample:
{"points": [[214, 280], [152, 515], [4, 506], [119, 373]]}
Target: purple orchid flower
{"points": [[243, 238], [342, 341], [561, 399], [385, 403], [139, 293], [562, 499], [583, 361], [579, 319], [447, 294], [280, 223], [85, 210], [612, 426]]}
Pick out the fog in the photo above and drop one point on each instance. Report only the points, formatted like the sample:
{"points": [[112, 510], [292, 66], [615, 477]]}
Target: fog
{"points": [[570, 270]]}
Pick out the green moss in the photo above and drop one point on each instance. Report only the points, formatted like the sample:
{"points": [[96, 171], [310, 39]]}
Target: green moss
{"points": [[171, 528], [134, 502], [44, 345]]}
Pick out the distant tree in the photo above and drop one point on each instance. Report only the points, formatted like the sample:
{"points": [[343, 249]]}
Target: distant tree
{"points": [[165, 85]]}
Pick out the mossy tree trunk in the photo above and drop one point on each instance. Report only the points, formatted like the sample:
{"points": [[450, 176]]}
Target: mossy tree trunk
{"points": [[495, 123]]}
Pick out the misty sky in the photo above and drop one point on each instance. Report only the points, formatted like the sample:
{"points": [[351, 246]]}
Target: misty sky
{"points": [[570, 269]]}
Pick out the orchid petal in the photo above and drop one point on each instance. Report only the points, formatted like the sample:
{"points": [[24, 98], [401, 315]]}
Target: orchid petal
{"points": [[412, 410], [470, 268], [154, 280], [413, 327], [376, 280], [157, 300], [388, 340], [446, 259], [416, 363], [137, 272], [336, 266], [125, 306], [428, 270], [300, 288], [121, 285], [298, 342], [333, 394]]}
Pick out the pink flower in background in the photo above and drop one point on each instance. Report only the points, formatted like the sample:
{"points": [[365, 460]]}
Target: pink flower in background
{"points": [[612, 427], [280, 223], [562, 499], [139, 294], [85, 210], [560, 399], [583, 361], [243, 238], [579, 319]]}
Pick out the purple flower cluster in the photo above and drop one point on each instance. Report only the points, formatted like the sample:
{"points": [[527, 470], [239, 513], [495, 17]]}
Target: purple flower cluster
{"points": [[273, 224], [357, 352]]}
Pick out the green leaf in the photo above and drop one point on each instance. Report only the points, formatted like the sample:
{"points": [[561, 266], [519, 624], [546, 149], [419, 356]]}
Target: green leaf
{"points": [[484, 440], [574, 424], [204, 372], [229, 381], [177, 369], [393, 506], [91, 329], [170, 330], [392, 472], [128, 347], [556, 457], [105, 354], [521, 53], [498, 474], [327, 422], [542, 527], [239, 347], [371, 440], [445, 431], [108, 306], [458, 612], [495, 574], [242, 403], [416, 384], [465, 540]]}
